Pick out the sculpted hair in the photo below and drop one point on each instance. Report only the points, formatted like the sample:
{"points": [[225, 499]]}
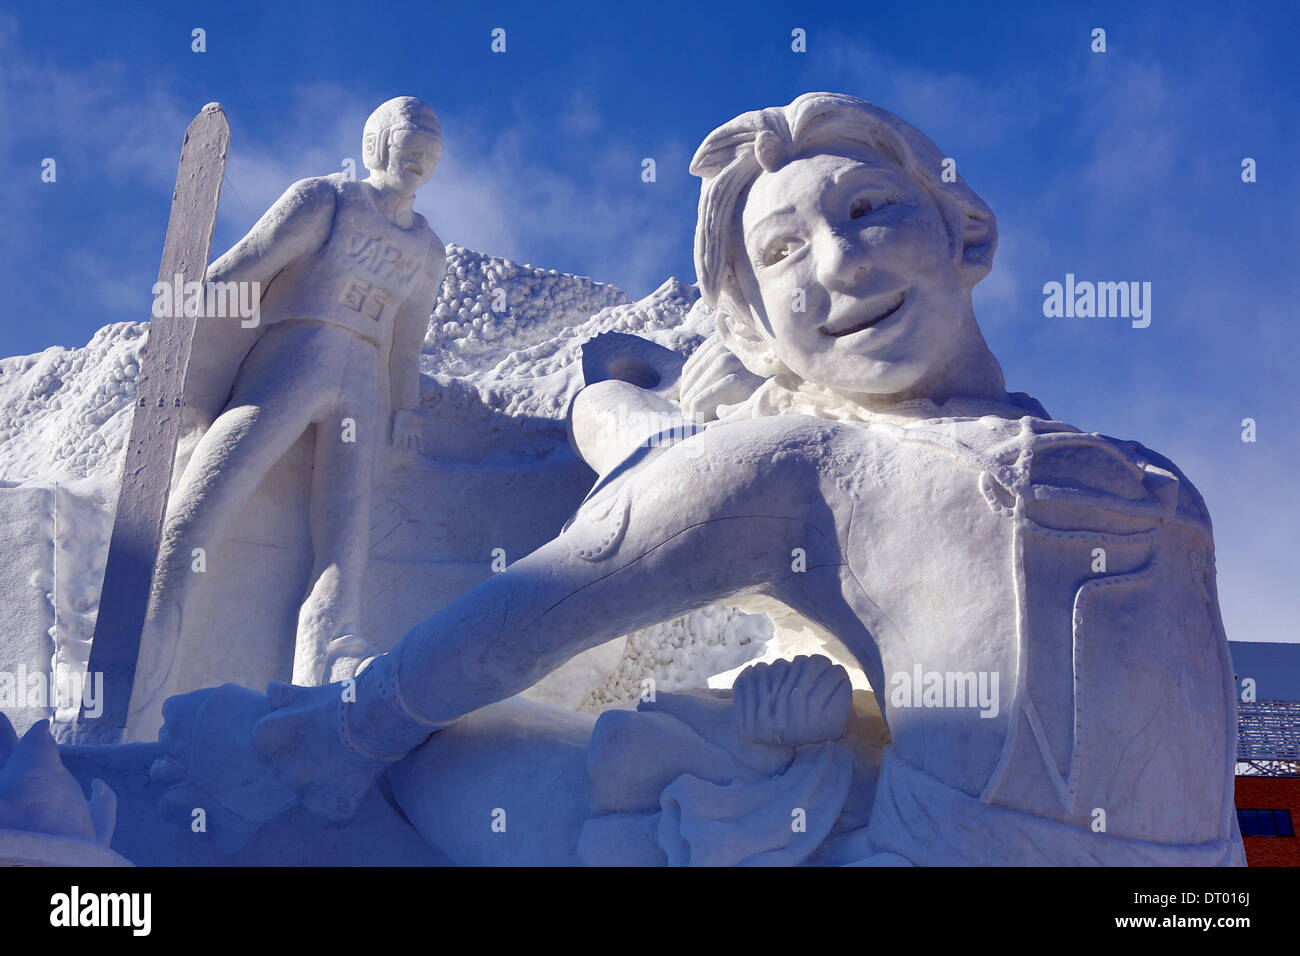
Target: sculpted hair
{"points": [[401, 112], [735, 154]]}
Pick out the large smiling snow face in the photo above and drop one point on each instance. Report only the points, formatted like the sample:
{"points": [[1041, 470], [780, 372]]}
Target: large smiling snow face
{"points": [[851, 260]]}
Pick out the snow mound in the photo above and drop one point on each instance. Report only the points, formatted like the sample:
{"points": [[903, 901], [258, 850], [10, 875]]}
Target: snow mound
{"points": [[63, 412], [536, 384], [490, 307]]}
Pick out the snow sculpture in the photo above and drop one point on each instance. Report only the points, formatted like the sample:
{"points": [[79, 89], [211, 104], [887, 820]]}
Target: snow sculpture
{"points": [[348, 274], [44, 819], [1034, 605]]}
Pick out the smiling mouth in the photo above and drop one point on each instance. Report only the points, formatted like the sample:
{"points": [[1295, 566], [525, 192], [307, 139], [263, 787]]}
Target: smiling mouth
{"points": [[892, 306]]}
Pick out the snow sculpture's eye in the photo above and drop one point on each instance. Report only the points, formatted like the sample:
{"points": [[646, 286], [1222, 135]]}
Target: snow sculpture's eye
{"points": [[861, 206], [780, 249]]}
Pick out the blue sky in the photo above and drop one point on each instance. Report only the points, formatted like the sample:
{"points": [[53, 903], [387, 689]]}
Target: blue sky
{"points": [[1122, 166]]}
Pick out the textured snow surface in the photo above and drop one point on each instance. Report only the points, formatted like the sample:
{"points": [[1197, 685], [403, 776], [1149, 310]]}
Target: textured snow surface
{"points": [[63, 412], [491, 307], [64, 421], [504, 339]]}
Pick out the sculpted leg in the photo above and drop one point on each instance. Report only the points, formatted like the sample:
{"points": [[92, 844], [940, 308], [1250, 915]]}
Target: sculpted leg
{"points": [[225, 469], [329, 645]]}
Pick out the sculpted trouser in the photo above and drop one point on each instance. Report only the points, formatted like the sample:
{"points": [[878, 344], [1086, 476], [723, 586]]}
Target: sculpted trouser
{"points": [[299, 375]]}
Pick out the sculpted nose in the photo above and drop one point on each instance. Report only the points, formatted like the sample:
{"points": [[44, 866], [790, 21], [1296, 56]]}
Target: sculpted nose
{"points": [[842, 262]]}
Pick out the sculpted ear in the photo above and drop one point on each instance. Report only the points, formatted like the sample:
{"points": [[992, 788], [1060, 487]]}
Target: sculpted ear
{"points": [[979, 243], [374, 150]]}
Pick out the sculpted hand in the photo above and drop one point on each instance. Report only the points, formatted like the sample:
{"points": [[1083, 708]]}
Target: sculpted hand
{"points": [[213, 770], [244, 758], [714, 376], [300, 738], [792, 702], [331, 743], [408, 429]]}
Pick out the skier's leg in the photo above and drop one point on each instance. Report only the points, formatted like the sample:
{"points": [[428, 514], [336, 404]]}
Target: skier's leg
{"points": [[266, 415], [330, 645]]}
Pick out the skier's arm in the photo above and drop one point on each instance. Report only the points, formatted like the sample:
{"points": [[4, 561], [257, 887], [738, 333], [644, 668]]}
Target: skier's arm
{"points": [[297, 224], [409, 329]]}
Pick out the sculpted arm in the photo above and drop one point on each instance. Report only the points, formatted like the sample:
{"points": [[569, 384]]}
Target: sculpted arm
{"points": [[297, 224], [709, 518], [404, 355], [697, 530], [698, 524]]}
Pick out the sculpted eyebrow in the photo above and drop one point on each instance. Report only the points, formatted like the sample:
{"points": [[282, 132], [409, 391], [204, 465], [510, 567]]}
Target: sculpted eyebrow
{"points": [[775, 213], [874, 174]]}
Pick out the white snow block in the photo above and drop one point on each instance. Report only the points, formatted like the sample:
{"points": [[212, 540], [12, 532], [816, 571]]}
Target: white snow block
{"points": [[26, 603], [48, 599]]}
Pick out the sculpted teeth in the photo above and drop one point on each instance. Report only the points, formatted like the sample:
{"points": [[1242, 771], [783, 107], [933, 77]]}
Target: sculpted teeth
{"points": [[859, 326]]}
